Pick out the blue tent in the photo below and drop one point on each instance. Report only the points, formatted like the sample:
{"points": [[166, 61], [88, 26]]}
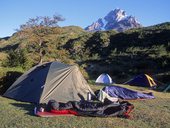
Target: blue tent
{"points": [[143, 80], [104, 78], [127, 94]]}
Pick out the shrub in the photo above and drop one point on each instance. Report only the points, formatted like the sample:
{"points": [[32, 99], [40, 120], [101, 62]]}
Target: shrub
{"points": [[17, 58]]}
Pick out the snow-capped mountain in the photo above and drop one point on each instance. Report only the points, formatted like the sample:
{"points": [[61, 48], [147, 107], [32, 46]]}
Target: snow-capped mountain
{"points": [[115, 19]]}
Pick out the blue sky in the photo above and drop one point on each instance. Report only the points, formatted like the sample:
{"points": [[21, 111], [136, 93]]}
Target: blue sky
{"points": [[81, 13]]}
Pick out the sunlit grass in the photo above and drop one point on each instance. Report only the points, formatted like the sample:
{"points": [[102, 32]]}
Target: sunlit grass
{"points": [[153, 113]]}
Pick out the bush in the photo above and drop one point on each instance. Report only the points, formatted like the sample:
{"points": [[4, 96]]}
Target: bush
{"points": [[8, 79], [17, 58]]}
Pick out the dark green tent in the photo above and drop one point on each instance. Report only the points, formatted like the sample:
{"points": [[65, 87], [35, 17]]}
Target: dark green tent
{"points": [[54, 80]]}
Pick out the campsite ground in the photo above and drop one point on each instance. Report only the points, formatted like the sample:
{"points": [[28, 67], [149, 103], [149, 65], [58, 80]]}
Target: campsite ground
{"points": [[153, 113]]}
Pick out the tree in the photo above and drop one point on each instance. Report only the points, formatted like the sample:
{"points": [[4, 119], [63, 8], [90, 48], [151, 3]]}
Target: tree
{"points": [[36, 31]]}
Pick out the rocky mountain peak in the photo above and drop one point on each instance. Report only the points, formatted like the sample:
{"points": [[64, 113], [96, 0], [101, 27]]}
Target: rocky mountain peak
{"points": [[115, 19], [115, 15]]}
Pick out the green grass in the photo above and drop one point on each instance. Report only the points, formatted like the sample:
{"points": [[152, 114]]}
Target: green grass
{"points": [[147, 114]]}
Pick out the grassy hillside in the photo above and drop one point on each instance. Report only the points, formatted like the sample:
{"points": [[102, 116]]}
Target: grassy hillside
{"points": [[122, 55], [147, 113]]}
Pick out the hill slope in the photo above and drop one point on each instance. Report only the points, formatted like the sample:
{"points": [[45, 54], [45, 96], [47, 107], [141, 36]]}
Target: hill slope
{"points": [[122, 55]]}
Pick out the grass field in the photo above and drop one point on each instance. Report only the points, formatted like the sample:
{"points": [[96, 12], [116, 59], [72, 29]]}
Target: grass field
{"points": [[153, 113]]}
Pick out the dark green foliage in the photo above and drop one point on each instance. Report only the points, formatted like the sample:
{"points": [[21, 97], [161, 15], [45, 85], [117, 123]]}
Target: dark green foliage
{"points": [[17, 58], [98, 43], [8, 79]]}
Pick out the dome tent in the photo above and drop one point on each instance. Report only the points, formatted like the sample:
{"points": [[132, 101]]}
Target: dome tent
{"points": [[53, 80], [143, 80], [104, 78]]}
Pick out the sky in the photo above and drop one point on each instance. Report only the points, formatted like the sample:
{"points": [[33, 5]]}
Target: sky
{"points": [[14, 13]]}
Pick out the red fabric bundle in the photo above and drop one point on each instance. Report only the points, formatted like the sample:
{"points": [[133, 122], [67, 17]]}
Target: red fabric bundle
{"points": [[62, 112]]}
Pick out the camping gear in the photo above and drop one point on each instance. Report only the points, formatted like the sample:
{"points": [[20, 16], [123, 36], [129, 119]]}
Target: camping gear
{"points": [[93, 109], [104, 78], [56, 113], [53, 80], [123, 93], [102, 96], [143, 80], [88, 96]]}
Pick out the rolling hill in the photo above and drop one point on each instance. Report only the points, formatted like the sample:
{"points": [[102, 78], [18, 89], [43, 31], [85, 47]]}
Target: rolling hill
{"points": [[121, 54]]}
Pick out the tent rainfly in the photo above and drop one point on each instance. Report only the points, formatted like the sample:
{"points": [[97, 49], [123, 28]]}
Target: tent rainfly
{"points": [[53, 80]]}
